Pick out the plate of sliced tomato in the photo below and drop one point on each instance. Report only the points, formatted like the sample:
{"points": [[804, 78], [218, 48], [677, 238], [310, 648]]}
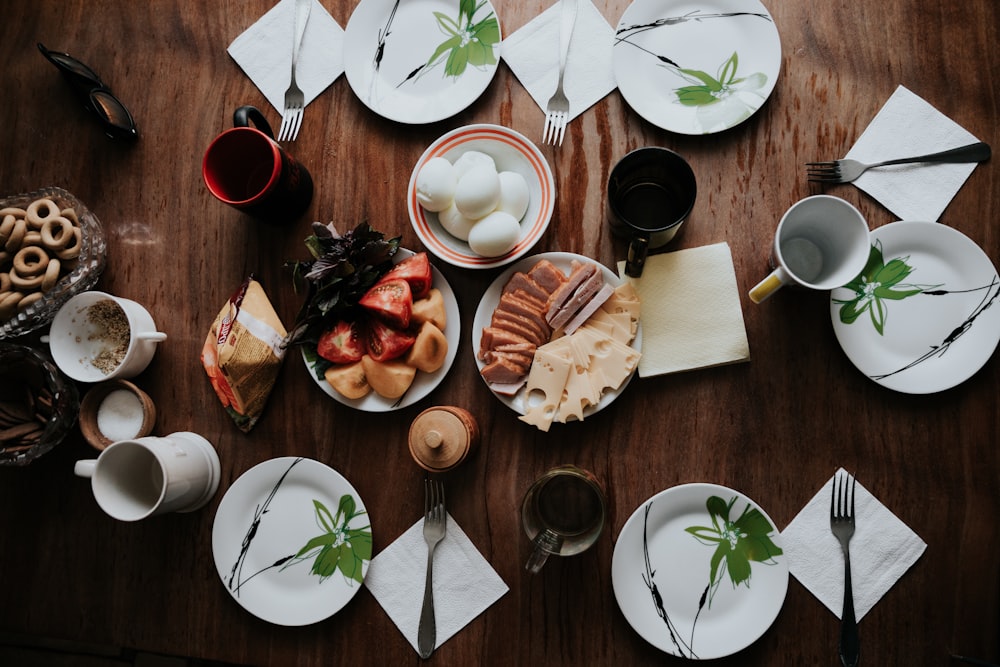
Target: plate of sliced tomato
{"points": [[399, 320]]}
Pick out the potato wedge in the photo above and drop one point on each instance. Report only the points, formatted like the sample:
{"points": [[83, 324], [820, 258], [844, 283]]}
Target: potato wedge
{"points": [[348, 380], [389, 379], [429, 349], [430, 309]]}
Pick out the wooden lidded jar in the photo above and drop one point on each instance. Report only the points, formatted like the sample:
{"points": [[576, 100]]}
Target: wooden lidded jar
{"points": [[441, 437]]}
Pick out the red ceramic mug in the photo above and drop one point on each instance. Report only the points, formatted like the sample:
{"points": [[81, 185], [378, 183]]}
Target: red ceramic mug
{"points": [[245, 168]]}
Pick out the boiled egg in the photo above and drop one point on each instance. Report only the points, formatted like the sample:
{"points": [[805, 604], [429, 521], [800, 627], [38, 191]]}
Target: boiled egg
{"points": [[513, 194], [494, 235], [469, 159], [455, 223], [436, 183], [478, 191]]}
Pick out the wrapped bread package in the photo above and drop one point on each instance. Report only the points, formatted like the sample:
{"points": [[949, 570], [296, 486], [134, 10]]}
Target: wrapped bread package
{"points": [[243, 353]]}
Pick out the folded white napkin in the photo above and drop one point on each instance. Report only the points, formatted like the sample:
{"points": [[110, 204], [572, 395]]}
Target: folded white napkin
{"points": [[264, 51], [908, 126], [464, 582], [882, 550], [690, 311], [532, 53]]}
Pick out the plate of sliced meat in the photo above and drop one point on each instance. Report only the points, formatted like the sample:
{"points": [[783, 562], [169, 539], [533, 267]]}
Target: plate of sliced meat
{"points": [[557, 337]]}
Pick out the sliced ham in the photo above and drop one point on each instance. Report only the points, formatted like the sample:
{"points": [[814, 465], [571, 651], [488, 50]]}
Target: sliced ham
{"points": [[492, 337], [582, 271], [589, 309], [512, 304], [521, 281], [548, 275], [519, 325], [502, 371], [580, 298]]}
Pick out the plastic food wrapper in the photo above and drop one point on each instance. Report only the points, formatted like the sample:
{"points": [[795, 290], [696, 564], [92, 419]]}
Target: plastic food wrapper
{"points": [[243, 353]]}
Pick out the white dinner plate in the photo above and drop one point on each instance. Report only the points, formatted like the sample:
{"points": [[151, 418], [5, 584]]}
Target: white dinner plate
{"points": [[292, 541], [420, 61], [932, 291], [696, 67], [423, 383], [662, 566], [491, 298]]}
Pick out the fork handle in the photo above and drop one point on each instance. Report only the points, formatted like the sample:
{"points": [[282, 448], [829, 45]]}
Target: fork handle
{"points": [[427, 630], [850, 642], [568, 17], [977, 152]]}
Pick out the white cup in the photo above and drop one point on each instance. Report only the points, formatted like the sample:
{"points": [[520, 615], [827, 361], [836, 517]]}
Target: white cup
{"points": [[135, 479], [822, 243], [77, 343]]}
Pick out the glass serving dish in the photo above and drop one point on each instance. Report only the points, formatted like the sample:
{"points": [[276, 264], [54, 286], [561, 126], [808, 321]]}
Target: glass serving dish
{"points": [[82, 276], [38, 404]]}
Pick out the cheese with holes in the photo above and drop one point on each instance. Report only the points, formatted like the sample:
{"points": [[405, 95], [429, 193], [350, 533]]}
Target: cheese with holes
{"points": [[548, 375]]}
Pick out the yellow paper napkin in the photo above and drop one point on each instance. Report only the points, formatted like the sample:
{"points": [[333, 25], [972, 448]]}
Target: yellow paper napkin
{"points": [[690, 314]]}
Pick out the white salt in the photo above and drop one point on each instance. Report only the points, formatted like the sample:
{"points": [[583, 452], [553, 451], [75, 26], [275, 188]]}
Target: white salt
{"points": [[120, 415]]}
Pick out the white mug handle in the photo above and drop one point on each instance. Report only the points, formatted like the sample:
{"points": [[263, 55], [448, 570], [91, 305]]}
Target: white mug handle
{"points": [[155, 336], [85, 468]]}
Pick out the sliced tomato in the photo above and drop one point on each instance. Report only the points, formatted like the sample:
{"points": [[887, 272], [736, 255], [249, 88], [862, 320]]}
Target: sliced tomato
{"points": [[416, 271], [391, 301], [344, 343], [385, 342]]}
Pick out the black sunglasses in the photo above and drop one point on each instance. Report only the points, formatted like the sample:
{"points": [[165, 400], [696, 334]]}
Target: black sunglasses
{"points": [[95, 96]]}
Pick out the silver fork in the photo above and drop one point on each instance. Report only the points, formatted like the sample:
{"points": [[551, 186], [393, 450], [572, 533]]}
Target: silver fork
{"points": [[435, 526], [291, 119], [557, 110], [845, 170], [842, 526]]}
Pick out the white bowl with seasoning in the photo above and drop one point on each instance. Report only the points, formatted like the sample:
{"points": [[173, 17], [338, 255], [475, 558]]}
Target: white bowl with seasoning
{"points": [[116, 410], [97, 336]]}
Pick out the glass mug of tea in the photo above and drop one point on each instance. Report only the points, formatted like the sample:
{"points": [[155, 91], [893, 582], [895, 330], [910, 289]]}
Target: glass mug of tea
{"points": [[562, 513]]}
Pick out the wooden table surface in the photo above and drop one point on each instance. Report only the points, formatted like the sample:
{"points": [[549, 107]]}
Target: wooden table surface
{"points": [[775, 428]]}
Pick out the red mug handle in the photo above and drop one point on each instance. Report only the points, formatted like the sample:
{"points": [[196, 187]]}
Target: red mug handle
{"points": [[247, 114]]}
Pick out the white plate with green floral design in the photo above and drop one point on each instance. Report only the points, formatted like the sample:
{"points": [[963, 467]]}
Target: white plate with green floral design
{"points": [[420, 61], [699, 571], [292, 541], [696, 67], [920, 318]]}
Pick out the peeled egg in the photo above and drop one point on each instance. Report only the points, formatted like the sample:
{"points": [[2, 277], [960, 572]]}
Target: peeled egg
{"points": [[494, 235], [478, 192], [513, 194], [469, 159], [436, 182], [455, 223]]}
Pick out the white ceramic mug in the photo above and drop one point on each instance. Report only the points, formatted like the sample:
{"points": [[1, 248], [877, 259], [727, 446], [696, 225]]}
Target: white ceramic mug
{"points": [[76, 342], [822, 243], [135, 479]]}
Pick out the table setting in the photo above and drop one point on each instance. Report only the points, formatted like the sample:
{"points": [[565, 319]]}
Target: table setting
{"points": [[550, 331]]}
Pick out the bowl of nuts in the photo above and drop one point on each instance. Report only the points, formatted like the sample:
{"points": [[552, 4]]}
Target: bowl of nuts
{"points": [[51, 248], [38, 405]]}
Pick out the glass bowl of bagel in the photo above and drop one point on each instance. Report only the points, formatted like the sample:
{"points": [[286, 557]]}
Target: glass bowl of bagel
{"points": [[51, 249]]}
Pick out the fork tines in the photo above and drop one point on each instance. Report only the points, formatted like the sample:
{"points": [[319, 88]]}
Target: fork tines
{"points": [[290, 124], [841, 497], [555, 127], [823, 171]]}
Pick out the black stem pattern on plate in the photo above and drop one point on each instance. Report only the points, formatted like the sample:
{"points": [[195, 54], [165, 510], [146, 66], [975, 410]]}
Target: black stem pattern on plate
{"points": [[685, 650], [623, 35], [236, 580], [382, 35], [993, 291]]}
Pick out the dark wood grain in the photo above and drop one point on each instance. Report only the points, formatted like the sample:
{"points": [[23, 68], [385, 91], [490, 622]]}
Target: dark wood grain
{"points": [[775, 428]]}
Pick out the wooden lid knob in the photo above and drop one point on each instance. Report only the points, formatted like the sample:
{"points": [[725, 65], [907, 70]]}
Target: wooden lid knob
{"points": [[441, 437]]}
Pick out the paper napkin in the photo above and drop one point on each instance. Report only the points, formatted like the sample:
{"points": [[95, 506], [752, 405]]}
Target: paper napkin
{"points": [[532, 53], [264, 51], [464, 582], [690, 311], [882, 550], [906, 126]]}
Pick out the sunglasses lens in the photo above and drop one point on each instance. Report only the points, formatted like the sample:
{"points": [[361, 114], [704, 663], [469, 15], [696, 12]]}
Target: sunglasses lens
{"points": [[82, 78], [117, 120]]}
